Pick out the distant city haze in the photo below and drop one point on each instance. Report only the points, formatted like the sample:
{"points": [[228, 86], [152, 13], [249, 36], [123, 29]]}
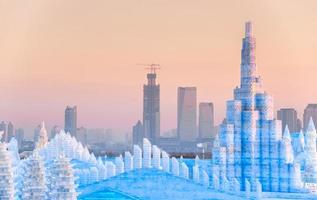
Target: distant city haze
{"points": [[57, 53]]}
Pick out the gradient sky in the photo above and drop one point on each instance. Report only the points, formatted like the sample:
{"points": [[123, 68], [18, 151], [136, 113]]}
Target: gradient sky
{"points": [[79, 52]]}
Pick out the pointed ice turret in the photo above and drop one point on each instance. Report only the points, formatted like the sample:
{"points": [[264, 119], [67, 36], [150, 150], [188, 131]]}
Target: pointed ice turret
{"points": [[34, 182], [6, 175], [288, 148], [301, 141], [311, 126], [310, 137], [310, 171], [42, 141]]}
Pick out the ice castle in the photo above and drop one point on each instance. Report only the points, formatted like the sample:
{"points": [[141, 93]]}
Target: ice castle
{"points": [[250, 146]]}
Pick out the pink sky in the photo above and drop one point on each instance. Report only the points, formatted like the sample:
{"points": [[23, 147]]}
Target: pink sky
{"points": [[76, 52]]}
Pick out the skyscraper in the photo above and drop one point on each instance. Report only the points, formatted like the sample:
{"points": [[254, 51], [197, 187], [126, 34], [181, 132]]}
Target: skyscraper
{"points": [[288, 116], [71, 120], [10, 131], [137, 133], [3, 127], [19, 134], [187, 114], [151, 108], [206, 120], [310, 111]]}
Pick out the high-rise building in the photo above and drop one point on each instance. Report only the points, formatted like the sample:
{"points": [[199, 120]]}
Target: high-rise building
{"points": [[137, 133], [187, 114], [54, 131], [71, 120], [3, 127], [19, 134], [288, 116], [310, 112], [206, 120], [36, 134], [10, 131], [81, 135], [151, 108]]}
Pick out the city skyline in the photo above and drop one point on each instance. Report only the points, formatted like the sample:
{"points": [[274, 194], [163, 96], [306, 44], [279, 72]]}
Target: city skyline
{"points": [[108, 91]]}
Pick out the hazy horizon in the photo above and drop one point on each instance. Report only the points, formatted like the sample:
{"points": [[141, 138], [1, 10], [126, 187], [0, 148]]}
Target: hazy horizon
{"points": [[55, 53]]}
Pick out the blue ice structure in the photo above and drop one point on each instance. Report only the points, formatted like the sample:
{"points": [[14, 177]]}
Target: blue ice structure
{"points": [[250, 148]]}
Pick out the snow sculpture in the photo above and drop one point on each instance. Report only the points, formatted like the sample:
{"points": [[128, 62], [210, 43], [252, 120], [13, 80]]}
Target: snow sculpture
{"points": [[196, 174], [165, 162], [156, 157], [137, 157], [111, 169], [34, 187], [205, 179], [185, 173], [119, 165], [63, 182], [6, 175], [128, 161], [43, 139], [146, 153], [175, 167]]}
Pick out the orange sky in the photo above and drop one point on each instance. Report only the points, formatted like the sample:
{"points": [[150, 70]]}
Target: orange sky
{"points": [[55, 52]]}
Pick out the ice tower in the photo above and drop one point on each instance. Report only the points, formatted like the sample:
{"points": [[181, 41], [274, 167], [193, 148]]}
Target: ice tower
{"points": [[6, 175], [250, 139]]}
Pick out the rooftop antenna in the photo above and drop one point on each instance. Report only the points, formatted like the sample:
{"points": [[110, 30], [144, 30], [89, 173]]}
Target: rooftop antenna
{"points": [[151, 67]]}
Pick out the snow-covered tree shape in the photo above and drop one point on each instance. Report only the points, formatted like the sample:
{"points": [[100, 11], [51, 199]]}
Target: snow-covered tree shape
{"points": [[34, 184], [62, 180], [6, 174]]}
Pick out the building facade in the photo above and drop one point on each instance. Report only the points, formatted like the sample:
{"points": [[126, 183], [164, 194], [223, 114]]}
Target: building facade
{"points": [[151, 108], [3, 127], [137, 133], [206, 120], [71, 120], [187, 114], [288, 116], [310, 112]]}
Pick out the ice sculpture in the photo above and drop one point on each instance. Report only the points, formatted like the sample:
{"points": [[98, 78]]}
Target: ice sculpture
{"points": [[111, 169], [258, 190], [247, 188], [63, 182], [156, 157], [197, 160], [215, 182], [137, 157], [250, 144], [93, 175], [43, 139], [6, 175], [165, 161], [146, 153], [34, 183], [175, 167], [119, 165], [196, 174], [14, 151], [310, 170], [128, 161], [102, 171], [205, 178], [184, 171]]}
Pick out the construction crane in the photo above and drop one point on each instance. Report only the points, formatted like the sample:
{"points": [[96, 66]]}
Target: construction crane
{"points": [[151, 67]]}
